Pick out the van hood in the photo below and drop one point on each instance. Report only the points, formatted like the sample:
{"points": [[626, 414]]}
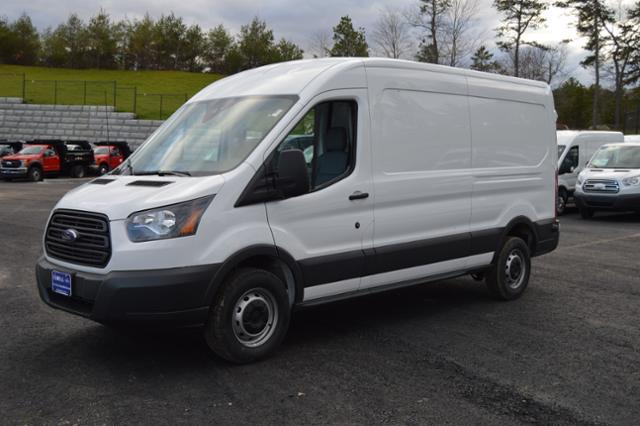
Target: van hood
{"points": [[21, 157], [617, 174], [119, 196]]}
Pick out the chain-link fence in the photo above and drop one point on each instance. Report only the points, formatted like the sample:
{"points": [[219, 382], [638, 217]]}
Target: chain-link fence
{"points": [[125, 98]]}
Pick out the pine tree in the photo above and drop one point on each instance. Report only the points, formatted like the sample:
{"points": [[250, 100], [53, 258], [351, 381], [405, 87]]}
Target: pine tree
{"points": [[347, 41]]}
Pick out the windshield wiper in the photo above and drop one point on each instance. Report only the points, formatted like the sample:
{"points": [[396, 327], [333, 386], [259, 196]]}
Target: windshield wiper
{"points": [[163, 173]]}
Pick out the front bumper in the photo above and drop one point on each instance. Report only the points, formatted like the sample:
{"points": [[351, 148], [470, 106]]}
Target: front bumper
{"points": [[13, 172], [164, 296], [619, 202]]}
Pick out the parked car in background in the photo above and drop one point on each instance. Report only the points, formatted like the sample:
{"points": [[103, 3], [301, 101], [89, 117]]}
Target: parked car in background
{"points": [[9, 148], [48, 157], [611, 181], [109, 155], [575, 149], [416, 173]]}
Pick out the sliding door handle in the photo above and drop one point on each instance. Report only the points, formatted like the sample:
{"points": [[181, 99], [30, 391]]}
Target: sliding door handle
{"points": [[358, 195]]}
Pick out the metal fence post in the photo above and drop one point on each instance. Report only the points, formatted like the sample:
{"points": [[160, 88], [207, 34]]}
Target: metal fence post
{"points": [[24, 84], [135, 100], [160, 118], [115, 85], [55, 92], [84, 97]]}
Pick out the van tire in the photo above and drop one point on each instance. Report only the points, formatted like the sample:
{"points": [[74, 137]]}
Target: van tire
{"points": [[103, 169], [78, 171], [509, 276], [586, 213], [253, 291], [563, 197], [34, 174]]}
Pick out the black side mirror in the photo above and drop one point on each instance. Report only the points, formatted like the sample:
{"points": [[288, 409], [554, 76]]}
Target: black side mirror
{"points": [[293, 176]]}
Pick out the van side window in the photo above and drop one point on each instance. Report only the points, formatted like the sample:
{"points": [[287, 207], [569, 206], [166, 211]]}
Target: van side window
{"points": [[326, 136], [573, 157]]}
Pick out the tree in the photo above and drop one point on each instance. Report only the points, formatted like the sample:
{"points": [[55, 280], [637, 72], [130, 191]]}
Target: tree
{"points": [[75, 37], [142, 43], [591, 14], [101, 49], [348, 41], [218, 45], [482, 60], [287, 51], [320, 43], [572, 102], [26, 41], [391, 34], [543, 63], [457, 42], [54, 48], [518, 16], [430, 18], [255, 44], [193, 49], [169, 34]]}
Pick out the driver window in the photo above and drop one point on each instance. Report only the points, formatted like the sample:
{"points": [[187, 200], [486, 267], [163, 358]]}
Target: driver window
{"points": [[326, 137], [572, 158], [49, 152]]}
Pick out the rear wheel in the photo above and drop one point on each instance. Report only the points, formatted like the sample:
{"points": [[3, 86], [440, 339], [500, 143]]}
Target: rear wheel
{"points": [[509, 277], [78, 171], [586, 212], [562, 201], [34, 174], [103, 169], [249, 316]]}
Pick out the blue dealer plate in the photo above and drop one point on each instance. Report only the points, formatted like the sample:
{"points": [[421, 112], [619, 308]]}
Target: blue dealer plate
{"points": [[61, 283]]}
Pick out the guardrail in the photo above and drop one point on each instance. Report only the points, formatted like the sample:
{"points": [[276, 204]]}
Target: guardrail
{"points": [[124, 98]]}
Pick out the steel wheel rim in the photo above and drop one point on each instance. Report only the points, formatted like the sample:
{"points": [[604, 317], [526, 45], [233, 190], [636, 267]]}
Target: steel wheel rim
{"points": [[255, 316], [561, 203], [515, 269], [36, 174]]}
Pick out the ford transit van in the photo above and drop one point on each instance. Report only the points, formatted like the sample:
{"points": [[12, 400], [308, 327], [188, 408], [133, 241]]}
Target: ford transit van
{"points": [[611, 181], [306, 182], [575, 148]]}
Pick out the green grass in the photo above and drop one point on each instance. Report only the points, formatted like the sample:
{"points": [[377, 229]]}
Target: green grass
{"points": [[67, 87]]}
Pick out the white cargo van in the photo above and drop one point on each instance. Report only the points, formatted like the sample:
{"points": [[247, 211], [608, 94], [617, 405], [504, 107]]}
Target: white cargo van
{"points": [[611, 180], [306, 182], [575, 148]]}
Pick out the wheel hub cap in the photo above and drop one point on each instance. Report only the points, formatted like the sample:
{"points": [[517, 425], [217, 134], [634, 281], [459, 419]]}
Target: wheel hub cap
{"points": [[255, 316], [515, 269]]}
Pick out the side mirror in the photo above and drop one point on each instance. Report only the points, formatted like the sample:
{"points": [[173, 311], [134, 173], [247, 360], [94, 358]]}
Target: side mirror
{"points": [[293, 176]]}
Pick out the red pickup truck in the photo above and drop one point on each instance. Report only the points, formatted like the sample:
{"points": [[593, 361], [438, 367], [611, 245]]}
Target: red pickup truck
{"points": [[45, 157], [110, 155]]}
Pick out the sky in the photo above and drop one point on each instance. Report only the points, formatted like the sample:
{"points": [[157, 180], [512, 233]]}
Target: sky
{"points": [[293, 19]]}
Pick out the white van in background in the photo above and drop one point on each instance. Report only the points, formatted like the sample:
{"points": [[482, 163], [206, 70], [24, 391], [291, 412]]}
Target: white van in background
{"points": [[410, 173], [575, 149], [632, 138], [611, 181]]}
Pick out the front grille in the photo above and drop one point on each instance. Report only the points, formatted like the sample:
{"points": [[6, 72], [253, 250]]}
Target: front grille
{"points": [[92, 246], [601, 186], [11, 164]]}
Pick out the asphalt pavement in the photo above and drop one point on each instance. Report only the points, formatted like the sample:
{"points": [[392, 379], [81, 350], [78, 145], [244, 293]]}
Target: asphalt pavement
{"points": [[567, 352]]}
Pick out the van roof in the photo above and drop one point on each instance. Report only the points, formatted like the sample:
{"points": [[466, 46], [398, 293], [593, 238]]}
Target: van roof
{"points": [[291, 78], [567, 136]]}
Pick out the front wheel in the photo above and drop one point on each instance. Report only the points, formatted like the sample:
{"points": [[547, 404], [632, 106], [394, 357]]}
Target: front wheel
{"points": [[562, 201], [78, 171], [103, 169], [249, 316], [509, 277], [34, 174]]}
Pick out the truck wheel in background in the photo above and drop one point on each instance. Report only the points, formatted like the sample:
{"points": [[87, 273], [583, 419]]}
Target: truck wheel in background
{"points": [[78, 171], [562, 201], [586, 213], [509, 277], [249, 316], [34, 174], [103, 169]]}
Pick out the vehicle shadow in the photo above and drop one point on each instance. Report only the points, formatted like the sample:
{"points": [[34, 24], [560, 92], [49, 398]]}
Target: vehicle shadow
{"points": [[142, 351]]}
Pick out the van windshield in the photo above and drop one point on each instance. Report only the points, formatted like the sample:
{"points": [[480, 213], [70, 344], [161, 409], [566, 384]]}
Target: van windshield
{"points": [[209, 137], [617, 157], [561, 150], [32, 150]]}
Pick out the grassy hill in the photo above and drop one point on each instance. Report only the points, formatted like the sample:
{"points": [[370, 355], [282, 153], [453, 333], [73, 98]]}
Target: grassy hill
{"points": [[133, 91]]}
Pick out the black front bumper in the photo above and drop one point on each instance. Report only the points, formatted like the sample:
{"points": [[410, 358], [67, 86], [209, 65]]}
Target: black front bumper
{"points": [[608, 202], [13, 173], [165, 296]]}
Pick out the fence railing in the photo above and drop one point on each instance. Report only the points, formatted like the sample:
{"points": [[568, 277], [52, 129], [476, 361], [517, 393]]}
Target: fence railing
{"points": [[124, 98]]}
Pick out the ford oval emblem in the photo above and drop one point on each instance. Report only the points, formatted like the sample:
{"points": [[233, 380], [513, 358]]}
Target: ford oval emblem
{"points": [[69, 235]]}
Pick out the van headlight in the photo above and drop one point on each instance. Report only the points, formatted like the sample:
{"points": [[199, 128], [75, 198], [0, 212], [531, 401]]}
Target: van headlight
{"points": [[176, 220], [631, 181]]}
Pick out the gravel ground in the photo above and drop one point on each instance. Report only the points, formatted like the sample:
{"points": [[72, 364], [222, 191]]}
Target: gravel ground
{"points": [[567, 352]]}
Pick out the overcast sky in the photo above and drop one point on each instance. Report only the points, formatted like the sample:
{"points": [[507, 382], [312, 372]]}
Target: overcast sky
{"points": [[293, 19]]}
